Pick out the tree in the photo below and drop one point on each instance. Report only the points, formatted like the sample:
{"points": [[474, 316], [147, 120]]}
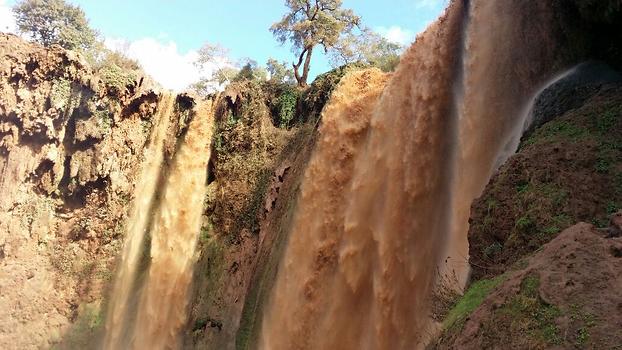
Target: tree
{"points": [[50, 22], [279, 72], [214, 58], [212, 54], [310, 23], [251, 71], [366, 47]]}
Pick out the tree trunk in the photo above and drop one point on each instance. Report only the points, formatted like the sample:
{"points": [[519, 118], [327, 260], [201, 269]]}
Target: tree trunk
{"points": [[305, 69], [305, 56]]}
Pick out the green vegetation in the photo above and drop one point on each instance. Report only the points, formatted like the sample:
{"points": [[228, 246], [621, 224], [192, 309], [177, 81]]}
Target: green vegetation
{"points": [[525, 224], [529, 204], [104, 118], [493, 249], [617, 183], [522, 187], [367, 48], [227, 70], [214, 251], [607, 120], [145, 125], [280, 73], [530, 285], [60, 94], [585, 322], [556, 130], [602, 165], [612, 208], [527, 314], [473, 297], [558, 223], [245, 155], [309, 24], [207, 231], [116, 78], [57, 22], [51, 22], [249, 217], [89, 322], [286, 107], [598, 130], [246, 150], [541, 215], [269, 259], [583, 336], [251, 71]]}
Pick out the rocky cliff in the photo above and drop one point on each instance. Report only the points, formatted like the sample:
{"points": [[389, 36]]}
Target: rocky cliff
{"points": [[264, 136], [71, 143], [531, 274]]}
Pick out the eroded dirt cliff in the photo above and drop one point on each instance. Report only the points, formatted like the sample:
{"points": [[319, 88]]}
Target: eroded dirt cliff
{"points": [[566, 296], [71, 143], [531, 274]]}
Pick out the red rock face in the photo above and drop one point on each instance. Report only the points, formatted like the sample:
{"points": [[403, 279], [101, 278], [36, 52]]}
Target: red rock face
{"points": [[70, 147]]}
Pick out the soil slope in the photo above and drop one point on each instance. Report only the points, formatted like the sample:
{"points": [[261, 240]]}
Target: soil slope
{"points": [[567, 297], [567, 171], [532, 285]]}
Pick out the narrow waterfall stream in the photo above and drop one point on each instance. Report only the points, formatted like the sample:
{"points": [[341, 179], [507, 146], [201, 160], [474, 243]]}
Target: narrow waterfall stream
{"points": [[150, 316]]}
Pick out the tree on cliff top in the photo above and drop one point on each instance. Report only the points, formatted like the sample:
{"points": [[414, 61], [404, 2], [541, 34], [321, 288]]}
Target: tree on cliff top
{"points": [[50, 22], [366, 47], [280, 72], [215, 59], [310, 23]]}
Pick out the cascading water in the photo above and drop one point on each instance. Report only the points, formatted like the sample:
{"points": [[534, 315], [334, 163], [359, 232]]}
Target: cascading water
{"points": [[137, 225], [373, 235], [175, 224], [175, 231], [510, 52], [524, 120], [357, 268]]}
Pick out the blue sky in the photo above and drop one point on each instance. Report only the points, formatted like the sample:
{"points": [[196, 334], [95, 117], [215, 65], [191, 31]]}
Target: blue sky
{"points": [[163, 34]]}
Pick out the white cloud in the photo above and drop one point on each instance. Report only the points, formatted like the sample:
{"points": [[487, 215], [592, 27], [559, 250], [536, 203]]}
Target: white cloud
{"points": [[7, 21], [397, 34], [160, 57], [162, 60]]}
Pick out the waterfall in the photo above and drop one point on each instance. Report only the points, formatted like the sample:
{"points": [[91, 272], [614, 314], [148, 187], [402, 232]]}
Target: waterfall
{"points": [[510, 53], [383, 221], [153, 317], [137, 225], [373, 213]]}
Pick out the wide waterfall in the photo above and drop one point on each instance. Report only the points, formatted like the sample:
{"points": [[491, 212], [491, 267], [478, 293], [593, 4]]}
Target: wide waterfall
{"points": [[372, 241]]}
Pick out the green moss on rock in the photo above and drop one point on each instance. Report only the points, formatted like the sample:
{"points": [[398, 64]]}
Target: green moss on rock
{"points": [[60, 94], [471, 299]]}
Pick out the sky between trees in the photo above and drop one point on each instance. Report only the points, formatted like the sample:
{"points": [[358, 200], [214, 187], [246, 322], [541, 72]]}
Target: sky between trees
{"points": [[161, 34]]}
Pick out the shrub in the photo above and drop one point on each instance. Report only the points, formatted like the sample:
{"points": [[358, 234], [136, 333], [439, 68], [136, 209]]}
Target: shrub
{"points": [[116, 78], [286, 107], [525, 223], [60, 94], [493, 249]]}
